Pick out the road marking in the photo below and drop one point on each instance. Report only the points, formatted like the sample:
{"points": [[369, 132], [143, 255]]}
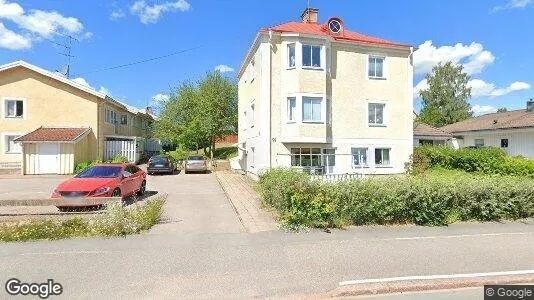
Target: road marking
{"points": [[461, 236], [66, 252], [433, 277]]}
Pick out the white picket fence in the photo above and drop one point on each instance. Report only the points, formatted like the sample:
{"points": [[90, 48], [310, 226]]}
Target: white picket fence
{"points": [[337, 177], [124, 148]]}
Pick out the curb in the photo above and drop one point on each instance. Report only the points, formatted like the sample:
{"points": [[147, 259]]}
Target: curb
{"points": [[425, 285]]}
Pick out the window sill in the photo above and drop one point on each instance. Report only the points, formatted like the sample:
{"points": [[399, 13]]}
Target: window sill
{"points": [[7, 152], [13, 118], [313, 68], [377, 78], [291, 68], [360, 167], [291, 122], [383, 166], [377, 125], [312, 122]]}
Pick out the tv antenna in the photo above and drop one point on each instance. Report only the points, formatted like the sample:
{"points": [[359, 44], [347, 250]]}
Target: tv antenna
{"points": [[65, 70]]}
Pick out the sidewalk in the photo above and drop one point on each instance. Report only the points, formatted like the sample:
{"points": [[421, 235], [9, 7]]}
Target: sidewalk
{"points": [[246, 202]]}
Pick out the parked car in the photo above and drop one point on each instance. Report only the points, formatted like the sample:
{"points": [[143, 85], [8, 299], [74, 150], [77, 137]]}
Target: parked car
{"points": [[104, 180], [195, 163], [161, 164]]}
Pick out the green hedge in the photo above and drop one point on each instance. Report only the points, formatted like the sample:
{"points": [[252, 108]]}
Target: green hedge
{"points": [[429, 199], [482, 160]]}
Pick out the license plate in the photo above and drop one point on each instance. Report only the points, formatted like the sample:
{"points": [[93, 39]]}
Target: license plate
{"points": [[159, 166]]}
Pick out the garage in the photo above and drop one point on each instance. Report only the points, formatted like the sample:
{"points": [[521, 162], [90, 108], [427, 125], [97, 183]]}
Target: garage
{"points": [[54, 150]]}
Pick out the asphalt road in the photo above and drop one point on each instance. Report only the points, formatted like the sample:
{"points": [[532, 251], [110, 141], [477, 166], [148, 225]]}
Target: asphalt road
{"points": [[205, 254]]}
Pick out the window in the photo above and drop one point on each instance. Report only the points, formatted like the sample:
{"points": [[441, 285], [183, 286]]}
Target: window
{"points": [[253, 156], [311, 56], [11, 146], [111, 116], [376, 113], [306, 157], [291, 109], [246, 119], [14, 109], [504, 143], [376, 67], [426, 142], [291, 55], [252, 69], [124, 120], [479, 142], [311, 109], [382, 156], [329, 157], [252, 114], [359, 157]]}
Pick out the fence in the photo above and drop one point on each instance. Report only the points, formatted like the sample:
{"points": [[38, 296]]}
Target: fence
{"points": [[124, 148], [337, 177]]}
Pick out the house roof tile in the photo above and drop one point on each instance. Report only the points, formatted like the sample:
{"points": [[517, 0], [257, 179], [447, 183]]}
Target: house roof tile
{"points": [[421, 129], [53, 134], [501, 120]]}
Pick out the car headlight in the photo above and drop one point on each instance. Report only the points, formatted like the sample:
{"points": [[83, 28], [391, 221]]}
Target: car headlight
{"points": [[102, 190], [55, 191]]}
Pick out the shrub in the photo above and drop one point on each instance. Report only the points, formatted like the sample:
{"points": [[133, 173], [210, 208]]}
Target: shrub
{"points": [[120, 159], [179, 154], [419, 162], [428, 199]]}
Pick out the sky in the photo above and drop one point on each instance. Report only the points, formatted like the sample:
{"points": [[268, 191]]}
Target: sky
{"points": [[492, 39]]}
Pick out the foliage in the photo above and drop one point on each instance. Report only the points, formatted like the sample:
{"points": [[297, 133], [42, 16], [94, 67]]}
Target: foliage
{"points": [[418, 164], [119, 159], [225, 153], [481, 160], [432, 198], [179, 154], [118, 221], [445, 99], [198, 114], [502, 109]]}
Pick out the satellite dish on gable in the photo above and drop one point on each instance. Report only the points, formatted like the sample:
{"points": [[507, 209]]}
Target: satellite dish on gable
{"points": [[65, 71]]}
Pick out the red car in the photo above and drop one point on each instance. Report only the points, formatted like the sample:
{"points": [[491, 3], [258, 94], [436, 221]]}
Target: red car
{"points": [[105, 180]]}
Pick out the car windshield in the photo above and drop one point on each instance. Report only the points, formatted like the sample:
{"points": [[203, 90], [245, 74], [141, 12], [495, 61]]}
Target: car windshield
{"points": [[159, 159], [195, 157], [101, 172]]}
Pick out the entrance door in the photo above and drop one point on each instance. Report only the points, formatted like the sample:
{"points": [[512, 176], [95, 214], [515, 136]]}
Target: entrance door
{"points": [[48, 158], [329, 160]]}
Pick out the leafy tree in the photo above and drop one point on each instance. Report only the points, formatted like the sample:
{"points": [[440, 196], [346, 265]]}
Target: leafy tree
{"points": [[502, 109], [445, 99], [197, 114]]}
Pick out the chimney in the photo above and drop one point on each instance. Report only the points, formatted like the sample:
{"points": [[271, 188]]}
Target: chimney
{"points": [[530, 105], [310, 15], [149, 110]]}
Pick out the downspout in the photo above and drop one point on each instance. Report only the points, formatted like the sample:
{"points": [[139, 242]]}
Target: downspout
{"points": [[270, 104]]}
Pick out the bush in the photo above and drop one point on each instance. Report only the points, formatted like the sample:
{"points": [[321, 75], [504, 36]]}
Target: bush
{"points": [[428, 199], [118, 221], [119, 159], [179, 154]]}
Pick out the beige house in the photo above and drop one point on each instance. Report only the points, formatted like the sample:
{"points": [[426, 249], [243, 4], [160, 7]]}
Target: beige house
{"points": [[49, 123], [320, 97]]}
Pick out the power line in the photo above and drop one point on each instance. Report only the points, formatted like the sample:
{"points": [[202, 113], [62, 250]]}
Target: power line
{"points": [[139, 62]]}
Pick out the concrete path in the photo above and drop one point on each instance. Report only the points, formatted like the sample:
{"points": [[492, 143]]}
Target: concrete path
{"points": [[196, 204], [246, 202]]}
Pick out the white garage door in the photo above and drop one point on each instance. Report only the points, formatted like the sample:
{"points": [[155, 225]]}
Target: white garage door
{"points": [[48, 158]]}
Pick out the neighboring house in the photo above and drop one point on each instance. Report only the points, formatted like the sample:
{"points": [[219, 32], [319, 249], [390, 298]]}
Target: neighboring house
{"points": [[319, 96], [424, 134], [512, 131], [49, 123]]}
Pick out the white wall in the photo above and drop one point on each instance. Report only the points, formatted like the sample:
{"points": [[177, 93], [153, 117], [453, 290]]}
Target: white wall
{"points": [[520, 142]]}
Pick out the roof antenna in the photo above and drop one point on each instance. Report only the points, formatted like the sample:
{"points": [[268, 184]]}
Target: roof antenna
{"points": [[65, 70]]}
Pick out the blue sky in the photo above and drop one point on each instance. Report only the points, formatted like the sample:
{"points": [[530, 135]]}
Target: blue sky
{"points": [[492, 38]]}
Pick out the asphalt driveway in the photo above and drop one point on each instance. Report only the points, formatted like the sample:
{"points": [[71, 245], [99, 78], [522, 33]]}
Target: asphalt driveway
{"points": [[28, 187]]}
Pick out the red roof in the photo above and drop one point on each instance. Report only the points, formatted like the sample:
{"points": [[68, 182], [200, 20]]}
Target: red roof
{"points": [[322, 30], [53, 134]]}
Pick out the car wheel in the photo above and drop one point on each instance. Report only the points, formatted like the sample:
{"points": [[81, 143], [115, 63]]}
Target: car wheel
{"points": [[116, 193], [142, 189], [65, 208]]}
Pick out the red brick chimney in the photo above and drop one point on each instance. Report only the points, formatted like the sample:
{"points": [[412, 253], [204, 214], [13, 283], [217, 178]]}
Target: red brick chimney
{"points": [[310, 15]]}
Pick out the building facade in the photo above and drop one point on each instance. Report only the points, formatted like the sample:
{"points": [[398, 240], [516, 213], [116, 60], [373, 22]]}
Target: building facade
{"points": [[320, 97]]}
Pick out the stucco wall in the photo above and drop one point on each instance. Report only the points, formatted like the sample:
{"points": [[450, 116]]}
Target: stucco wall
{"points": [[48, 103], [520, 142]]}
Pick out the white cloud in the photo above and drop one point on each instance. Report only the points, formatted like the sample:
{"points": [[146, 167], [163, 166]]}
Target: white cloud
{"points": [[160, 99], [422, 85], [513, 4], [81, 81], [473, 57], [482, 109], [117, 14], [480, 88], [151, 13], [104, 91], [13, 41], [224, 68], [38, 22]]}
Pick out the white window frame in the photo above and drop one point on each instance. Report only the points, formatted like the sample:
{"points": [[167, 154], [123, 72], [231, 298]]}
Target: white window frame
{"points": [[112, 117], [375, 56], [5, 143], [253, 156], [294, 46], [291, 118], [389, 154], [321, 58], [5, 100], [479, 139], [252, 69], [252, 114], [125, 118], [366, 163], [322, 105], [384, 114]]}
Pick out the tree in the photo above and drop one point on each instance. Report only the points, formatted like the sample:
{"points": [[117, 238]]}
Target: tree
{"points": [[445, 99], [502, 109], [196, 115]]}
